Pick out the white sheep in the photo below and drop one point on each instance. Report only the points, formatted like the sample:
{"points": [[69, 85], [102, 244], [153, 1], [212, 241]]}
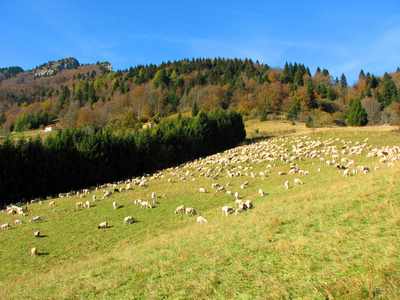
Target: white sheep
{"points": [[33, 252], [153, 195], [37, 233], [129, 220], [18, 222], [4, 226], [115, 205], [190, 211], [249, 204], [87, 204], [201, 220], [180, 209], [51, 204], [287, 184], [298, 181], [138, 201], [102, 225], [202, 190], [94, 198], [34, 219], [237, 195], [238, 202], [79, 205], [239, 211], [261, 192], [226, 210], [346, 173], [145, 205]]}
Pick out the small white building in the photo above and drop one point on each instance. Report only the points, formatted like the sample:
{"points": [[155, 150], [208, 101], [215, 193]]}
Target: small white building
{"points": [[148, 125], [50, 127]]}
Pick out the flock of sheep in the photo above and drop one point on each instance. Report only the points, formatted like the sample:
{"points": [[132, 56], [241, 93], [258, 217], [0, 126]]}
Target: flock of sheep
{"points": [[239, 163]]}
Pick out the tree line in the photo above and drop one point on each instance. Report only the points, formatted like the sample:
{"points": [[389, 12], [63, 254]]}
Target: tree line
{"points": [[88, 156]]}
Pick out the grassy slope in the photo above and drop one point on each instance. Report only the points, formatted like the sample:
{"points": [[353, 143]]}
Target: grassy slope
{"points": [[332, 237]]}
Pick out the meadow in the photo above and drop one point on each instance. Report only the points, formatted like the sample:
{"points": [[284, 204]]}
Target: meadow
{"points": [[331, 238]]}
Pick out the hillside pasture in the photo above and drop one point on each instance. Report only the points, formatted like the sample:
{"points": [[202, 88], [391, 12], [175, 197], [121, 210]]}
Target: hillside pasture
{"points": [[332, 237]]}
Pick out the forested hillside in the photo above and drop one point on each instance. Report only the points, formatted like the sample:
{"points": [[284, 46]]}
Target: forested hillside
{"points": [[76, 95]]}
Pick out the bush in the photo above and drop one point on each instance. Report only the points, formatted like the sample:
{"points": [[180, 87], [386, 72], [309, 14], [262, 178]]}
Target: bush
{"points": [[310, 122]]}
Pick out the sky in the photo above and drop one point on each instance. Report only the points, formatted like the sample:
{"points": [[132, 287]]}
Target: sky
{"points": [[338, 36]]}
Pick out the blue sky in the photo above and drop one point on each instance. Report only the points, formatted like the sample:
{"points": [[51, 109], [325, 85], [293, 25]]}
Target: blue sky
{"points": [[341, 37]]}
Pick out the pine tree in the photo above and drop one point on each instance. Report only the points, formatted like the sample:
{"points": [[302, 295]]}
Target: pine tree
{"points": [[195, 109], [310, 122], [357, 115]]}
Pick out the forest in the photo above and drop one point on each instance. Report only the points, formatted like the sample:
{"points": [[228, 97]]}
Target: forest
{"points": [[94, 94], [89, 156]]}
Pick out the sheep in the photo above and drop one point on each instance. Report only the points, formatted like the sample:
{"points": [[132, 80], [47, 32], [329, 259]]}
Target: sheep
{"points": [[239, 211], [201, 220], [190, 211], [21, 213], [346, 173], [129, 220], [94, 198], [287, 184], [226, 210], [261, 192], [33, 252], [221, 188], [4, 226], [115, 205], [243, 206], [229, 192], [51, 204], [37, 233], [34, 219], [138, 201], [237, 195], [298, 181], [249, 204], [281, 173], [180, 209], [145, 205], [18, 222], [215, 185], [202, 190], [238, 202], [87, 204], [79, 205], [153, 195], [102, 225]]}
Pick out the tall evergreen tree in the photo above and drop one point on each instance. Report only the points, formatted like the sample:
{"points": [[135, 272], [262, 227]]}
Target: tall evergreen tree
{"points": [[357, 115]]}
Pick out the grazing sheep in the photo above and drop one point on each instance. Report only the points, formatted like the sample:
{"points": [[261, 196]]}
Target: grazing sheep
{"points": [[226, 210], [215, 185], [34, 219], [281, 173], [129, 220], [238, 202], [261, 192], [145, 205], [229, 192], [287, 184], [102, 225], [221, 188], [79, 205], [346, 173], [94, 198], [87, 204], [21, 213], [115, 204], [239, 211], [138, 201], [18, 222], [54, 211], [243, 206], [249, 204], [33, 252], [201, 220], [202, 190], [237, 195], [153, 195], [51, 204], [298, 181], [180, 209], [4, 226], [190, 211], [37, 233]]}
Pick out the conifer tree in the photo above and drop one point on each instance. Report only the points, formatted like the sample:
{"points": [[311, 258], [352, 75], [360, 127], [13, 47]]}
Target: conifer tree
{"points": [[357, 115]]}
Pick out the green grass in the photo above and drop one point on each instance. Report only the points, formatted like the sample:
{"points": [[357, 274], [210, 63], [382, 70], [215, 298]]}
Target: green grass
{"points": [[332, 238]]}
